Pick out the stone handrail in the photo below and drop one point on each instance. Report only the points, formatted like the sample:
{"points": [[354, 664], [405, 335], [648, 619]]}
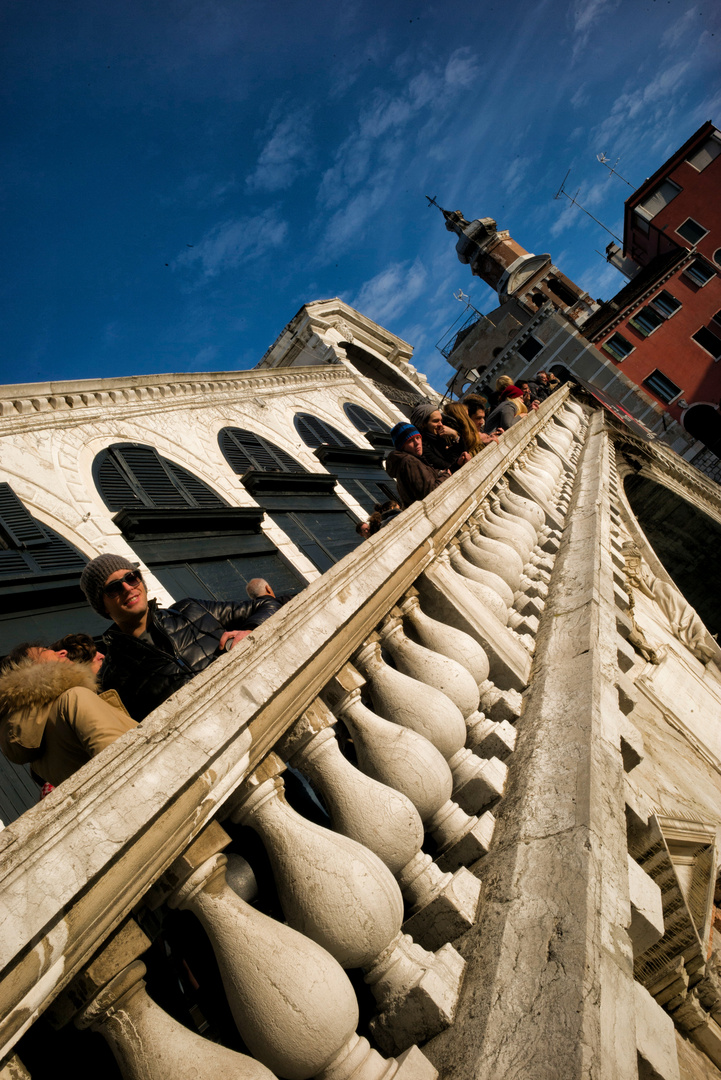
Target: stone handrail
{"points": [[143, 815]]}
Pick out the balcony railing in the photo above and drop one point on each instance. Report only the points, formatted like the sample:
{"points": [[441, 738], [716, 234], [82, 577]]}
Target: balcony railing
{"points": [[420, 644]]}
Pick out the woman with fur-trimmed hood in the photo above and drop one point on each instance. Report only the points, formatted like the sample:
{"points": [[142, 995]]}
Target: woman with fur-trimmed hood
{"points": [[51, 714]]}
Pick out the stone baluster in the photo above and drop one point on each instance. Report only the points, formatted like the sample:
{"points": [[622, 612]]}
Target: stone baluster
{"points": [[480, 560], [442, 905], [407, 761], [537, 478], [423, 707], [547, 538], [291, 1000], [468, 573], [342, 896], [461, 647], [463, 561], [109, 996]]}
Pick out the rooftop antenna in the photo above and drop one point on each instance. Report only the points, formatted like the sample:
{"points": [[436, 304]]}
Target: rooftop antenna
{"points": [[612, 169], [574, 202]]}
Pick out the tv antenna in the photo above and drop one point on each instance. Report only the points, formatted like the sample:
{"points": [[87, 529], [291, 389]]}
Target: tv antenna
{"points": [[612, 169], [573, 199]]}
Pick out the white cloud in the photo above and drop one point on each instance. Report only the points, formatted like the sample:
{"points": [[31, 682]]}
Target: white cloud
{"points": [[514, 174], [584, 15], [286, 153], [233, 242], [384, 137], [389, 293], [671, 37]]}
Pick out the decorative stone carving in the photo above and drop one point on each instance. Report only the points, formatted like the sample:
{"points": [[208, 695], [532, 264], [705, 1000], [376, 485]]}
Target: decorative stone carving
{"points": [[682, 618]]}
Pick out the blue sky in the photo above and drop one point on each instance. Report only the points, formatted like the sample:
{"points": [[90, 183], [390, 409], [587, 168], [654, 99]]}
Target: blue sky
{"points": [[179, 177]]}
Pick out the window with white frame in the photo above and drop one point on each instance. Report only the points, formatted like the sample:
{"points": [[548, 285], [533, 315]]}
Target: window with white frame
{"points": [[699, 272], [709, 341], [691, 230], [663, 387], [646, 320], [655, 202], [618, 347], [706, 153], [666, 303]]}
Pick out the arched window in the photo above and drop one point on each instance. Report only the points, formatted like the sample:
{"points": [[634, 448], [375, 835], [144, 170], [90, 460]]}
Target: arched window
{"points": [[363, 419], [245, 450], [316, 432], [195, 543], [131, 475], [302, 503]]}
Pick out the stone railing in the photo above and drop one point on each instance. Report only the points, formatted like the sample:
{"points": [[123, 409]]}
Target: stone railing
{"points": [[394, 684]]}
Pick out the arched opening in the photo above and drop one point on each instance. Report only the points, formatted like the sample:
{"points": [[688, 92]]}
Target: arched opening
{"points": [[360, 472], [685, 540], [303, 504], [194, 542], [703, 421]]}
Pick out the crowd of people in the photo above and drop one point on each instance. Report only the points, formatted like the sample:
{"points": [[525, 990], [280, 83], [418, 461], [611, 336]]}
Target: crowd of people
{"points": [[61, 704], [437, 441]]}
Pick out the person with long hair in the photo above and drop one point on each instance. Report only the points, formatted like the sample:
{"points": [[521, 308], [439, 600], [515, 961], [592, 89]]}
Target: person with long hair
{"points": [[457, 416], [442, 445]]}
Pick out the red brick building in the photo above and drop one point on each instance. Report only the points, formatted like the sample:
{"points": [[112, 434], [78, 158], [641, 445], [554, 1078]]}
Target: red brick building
{"points": [[664, 328]]}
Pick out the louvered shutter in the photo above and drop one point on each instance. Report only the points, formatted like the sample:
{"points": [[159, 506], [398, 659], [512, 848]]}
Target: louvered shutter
{"points": [[20, 528], [131, 476], [363, 419], [314, 431], [199, 492], [146, 467], [245, 450]]}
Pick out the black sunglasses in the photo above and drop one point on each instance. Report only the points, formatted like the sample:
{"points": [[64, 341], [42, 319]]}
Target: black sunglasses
{"points": [[115, 588]]}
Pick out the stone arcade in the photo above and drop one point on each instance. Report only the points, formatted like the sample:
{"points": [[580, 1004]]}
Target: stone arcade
{"points": [[522, 683]]}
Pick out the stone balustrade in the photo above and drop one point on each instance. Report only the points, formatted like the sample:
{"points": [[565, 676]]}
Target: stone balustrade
{"points": [[394, 685]]}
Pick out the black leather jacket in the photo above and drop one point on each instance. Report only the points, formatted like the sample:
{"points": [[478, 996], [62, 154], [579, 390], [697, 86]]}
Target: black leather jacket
{"points": [[186, 638]]}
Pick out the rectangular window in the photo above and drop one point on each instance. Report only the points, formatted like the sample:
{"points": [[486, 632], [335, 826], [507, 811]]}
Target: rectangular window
{"points": [[661, 386], [618, 347], [646, 320], [655, 202], [699, 271], [708, 341], [706, 153], [667, 304], [691, 231], [529, 348]]}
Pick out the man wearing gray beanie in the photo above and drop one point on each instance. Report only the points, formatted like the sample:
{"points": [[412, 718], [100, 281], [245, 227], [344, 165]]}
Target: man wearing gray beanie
{"points": [[150, 652]]}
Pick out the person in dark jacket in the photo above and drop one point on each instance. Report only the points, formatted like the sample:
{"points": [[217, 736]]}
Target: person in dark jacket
{"points": [[151, 651], [260, 589], [442, 446], [413, 476]]}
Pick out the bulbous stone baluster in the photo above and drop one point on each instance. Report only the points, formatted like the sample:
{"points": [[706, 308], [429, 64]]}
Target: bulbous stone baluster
{"points": [[536, 479], [515, 519], [109, 996], [499, 530], [442, 906], [478, 557], [147, 1042], [477, 580], [459, 646], [524, 507], [422, 706], [498, 556], [410, 763], [343, 897], [292, 1002], [466, 571]]}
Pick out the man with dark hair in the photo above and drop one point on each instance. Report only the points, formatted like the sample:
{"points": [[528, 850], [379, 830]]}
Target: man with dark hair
{"points": [[151, 651]]}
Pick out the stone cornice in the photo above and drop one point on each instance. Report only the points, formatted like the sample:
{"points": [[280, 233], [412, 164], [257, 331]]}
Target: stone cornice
{"points": [[31, 405]]}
